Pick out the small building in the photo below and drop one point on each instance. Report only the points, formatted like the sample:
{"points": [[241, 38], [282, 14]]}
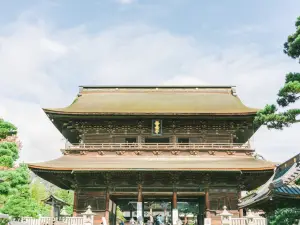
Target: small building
{"points": [[280, 191], [56, 204], [177, 145]]}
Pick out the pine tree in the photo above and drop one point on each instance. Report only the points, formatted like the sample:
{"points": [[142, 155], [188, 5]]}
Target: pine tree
{"points": [[288, 94]]}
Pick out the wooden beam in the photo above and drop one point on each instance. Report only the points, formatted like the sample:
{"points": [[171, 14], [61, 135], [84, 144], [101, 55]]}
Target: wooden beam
{"points": [[158, 194]]}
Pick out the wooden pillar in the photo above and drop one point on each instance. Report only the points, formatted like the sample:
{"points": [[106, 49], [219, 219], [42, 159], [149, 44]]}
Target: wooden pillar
{"points": [[241, 213], [52, 209], [107, 206], [140, 193], [130, 212], [173, 139], [200, 217], [174, 199], [207, 204], [115, 217], [140, 210], [75, 203]]}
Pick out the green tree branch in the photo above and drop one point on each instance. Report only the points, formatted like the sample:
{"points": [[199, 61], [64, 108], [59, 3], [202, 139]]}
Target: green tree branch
{"points": [[289, 93]]}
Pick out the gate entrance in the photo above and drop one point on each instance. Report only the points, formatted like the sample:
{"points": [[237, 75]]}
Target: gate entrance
{"points": [[160, 211]]}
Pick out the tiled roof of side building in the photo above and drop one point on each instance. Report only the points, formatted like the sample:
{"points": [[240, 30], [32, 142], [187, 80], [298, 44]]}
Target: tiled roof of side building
{"points": [[282, 184], [160, 100]]}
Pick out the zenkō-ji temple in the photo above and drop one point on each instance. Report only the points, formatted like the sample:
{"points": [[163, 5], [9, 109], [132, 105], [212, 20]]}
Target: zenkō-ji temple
{"points": [[166, 150]]}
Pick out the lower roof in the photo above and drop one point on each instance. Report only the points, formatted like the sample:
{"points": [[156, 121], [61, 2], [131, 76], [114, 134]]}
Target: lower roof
{"points": [[107, 163]]}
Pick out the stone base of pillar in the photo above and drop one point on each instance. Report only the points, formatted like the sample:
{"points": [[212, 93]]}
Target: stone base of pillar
{"points": [[175, 216], [241, 213], [207, 214]]}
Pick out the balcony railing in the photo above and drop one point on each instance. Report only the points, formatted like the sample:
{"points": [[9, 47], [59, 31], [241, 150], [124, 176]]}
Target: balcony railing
{"points": [[159, 146]]}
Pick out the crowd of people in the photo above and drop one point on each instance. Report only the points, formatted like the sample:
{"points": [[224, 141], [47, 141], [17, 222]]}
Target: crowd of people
{"points": [[158, 220]]}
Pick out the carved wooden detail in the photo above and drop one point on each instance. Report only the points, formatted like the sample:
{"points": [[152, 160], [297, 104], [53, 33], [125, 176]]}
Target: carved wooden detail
{"points": [[120, 152], [139, 178], [156, 152], [107, 178], [193, 152], [170, 126], [174, 178], [65, 152], [175, 152], [230, 152], [101, 152], [212, 152], [138, 152]]}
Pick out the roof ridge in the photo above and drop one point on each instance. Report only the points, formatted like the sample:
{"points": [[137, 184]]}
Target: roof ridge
{"points": [[156, 86]]}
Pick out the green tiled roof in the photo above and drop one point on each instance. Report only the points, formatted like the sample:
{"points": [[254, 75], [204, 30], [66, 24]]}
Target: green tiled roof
{"points": [[288, 189], [281, 184]]}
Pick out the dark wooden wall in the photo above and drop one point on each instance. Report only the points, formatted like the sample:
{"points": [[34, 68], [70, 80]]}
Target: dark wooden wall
{"points": [[198, 131]]}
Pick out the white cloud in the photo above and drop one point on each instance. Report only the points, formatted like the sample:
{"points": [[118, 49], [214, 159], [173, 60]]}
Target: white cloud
{"points": [[42, 67], [126, 1]]}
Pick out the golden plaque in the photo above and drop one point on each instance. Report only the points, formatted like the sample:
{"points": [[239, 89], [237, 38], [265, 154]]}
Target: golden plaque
{"points": [[157, 127]]}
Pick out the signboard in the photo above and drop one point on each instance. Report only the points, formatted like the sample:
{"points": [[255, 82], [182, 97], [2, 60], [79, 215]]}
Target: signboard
{"points": [[157, 127], [207, 221], [175, 216]]}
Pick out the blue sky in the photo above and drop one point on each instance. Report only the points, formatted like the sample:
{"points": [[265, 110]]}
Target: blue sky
{"points": [[222, 22], [50, 47]]}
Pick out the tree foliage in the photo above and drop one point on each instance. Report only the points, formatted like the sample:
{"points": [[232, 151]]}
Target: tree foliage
{"points": [[21, 204], [39, 192], [15, 197], [292, 46], [289, 93], [120, 215], [6, 129], [284, 216], [9, 153], [18, 196], [66, 196], [15, 194]]}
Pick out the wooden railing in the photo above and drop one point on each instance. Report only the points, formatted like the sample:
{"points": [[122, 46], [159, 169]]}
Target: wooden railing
{"points": [[160, 146], [38, 221], [243, 221]]}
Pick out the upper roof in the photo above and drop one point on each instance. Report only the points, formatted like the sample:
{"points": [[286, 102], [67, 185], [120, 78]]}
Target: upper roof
{"points": [[158, 100]]}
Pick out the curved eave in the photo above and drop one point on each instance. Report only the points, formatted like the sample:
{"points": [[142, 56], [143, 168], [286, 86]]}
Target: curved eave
{"points": [[40, 168], [88, 163], [66, 113]]}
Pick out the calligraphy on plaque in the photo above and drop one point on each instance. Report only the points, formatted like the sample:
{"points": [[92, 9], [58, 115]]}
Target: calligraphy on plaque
{"points": [[157, 127]]}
